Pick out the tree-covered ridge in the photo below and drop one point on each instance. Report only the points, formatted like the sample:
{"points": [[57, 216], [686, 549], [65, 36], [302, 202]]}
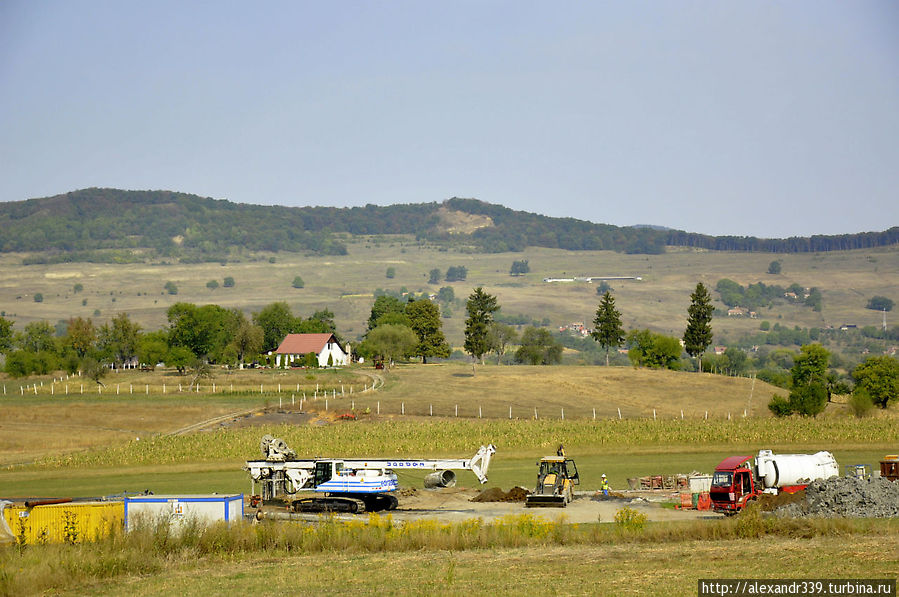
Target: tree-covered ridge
{"points": [[110, 224]]}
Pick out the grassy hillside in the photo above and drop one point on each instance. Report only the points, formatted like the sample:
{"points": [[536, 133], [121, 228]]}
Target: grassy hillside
{"points": [[345, 284]]}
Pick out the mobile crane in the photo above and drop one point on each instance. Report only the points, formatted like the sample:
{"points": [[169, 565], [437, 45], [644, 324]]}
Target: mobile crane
{"points": [[352, 485]]}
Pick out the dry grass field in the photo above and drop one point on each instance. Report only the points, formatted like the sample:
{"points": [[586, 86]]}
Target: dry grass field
{"points": [[344, 284]]}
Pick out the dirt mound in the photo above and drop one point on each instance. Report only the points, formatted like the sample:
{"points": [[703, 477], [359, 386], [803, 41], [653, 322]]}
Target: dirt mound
{"points": [[849, 497], [495, 494]]}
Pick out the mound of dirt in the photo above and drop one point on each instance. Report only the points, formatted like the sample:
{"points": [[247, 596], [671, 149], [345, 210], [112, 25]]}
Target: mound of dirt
{"points": [[495, 494], [849, 497]]}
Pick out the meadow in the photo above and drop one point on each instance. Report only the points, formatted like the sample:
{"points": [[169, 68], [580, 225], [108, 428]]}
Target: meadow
{"points": [[344, 284]]}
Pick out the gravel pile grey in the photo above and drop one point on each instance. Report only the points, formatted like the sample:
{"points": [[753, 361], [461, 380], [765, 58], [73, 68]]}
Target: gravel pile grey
{"points": [[849, 497]]}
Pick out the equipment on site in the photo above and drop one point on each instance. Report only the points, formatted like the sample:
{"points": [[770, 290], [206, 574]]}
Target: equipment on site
{"points": [[556, 479], [739, 479], [889, 467], [347, 485]]}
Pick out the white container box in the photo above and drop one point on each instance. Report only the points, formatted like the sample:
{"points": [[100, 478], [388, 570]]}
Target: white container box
{"points": [[178, 509]]}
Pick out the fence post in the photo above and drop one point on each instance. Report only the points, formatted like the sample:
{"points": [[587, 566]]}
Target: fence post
{"points": [[457, 410], [379, 407], [510, 411], [535, 413], [594, 414], [619, 413], [326, 405], [479, 411], [402, 408], [431, 409], [653, 414], [563, 414]]}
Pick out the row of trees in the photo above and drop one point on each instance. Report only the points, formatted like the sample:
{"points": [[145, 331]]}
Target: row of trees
{"points": [[656, 350], [207, 333], [812, 385]]}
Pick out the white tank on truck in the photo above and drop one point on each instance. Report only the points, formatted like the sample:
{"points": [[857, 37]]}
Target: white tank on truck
{"points": [[784, 470], [740, 479]]}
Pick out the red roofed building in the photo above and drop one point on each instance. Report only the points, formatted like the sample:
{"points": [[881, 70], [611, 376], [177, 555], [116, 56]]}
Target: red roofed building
{"points": [[295, 347]]}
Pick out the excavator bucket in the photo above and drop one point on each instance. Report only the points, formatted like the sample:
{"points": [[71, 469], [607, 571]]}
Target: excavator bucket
{"points": [[537, 500]]}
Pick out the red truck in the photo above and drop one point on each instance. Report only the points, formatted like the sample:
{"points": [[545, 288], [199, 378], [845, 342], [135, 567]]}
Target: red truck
{"points": [[739, 479]]}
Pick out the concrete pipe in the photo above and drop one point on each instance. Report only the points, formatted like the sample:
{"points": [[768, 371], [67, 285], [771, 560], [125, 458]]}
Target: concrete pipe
{"points": [[445, 478]]}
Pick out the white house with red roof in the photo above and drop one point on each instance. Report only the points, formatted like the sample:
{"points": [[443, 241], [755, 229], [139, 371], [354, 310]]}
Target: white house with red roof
{"points": [[295, 347]]}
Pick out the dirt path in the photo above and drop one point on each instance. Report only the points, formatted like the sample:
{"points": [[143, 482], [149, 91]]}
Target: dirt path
{"points": [[455, 505]]}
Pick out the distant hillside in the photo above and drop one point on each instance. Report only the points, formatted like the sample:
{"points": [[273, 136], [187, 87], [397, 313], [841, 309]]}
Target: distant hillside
{"points": [[112, 225]]}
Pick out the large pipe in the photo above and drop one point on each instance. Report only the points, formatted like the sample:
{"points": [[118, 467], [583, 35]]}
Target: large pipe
{"points": [[445, 478]]}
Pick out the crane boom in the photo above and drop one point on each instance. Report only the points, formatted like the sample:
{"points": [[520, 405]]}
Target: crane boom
{"points": [[346, 481]]}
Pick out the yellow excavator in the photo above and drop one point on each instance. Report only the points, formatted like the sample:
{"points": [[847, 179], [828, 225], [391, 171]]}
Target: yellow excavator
{"points": [[556, 479]]}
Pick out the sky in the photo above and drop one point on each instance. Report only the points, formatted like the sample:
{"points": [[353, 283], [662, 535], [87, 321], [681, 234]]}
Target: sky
{"points": [[761, 118]]}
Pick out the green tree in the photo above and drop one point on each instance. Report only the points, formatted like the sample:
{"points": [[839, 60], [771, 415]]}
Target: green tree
{"points": [[808, 400], [38, 336], [499, 336], [810, 365], [386, 305], [117, 340], [698, 335], [78, 287], [38, 297], [92, 369], [179, 358], [814, 300], [248, 340], [6, 335], [199, 369], [648, 349], [520, 267], [424, 317], [607, 330], [446, 295], [391, 273], [298, 282], [390, 341], [880, 303], [480, 306], [81, 335], [434, 276], [228, 282], [171, 287], [276, 321], [212, 284], [774, 267], [538, 347], [456, 273], [152, 348], [878, 377], [19, 363]]}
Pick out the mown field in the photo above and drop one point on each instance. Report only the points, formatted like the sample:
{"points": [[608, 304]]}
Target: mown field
{"points": [[345, 285]]}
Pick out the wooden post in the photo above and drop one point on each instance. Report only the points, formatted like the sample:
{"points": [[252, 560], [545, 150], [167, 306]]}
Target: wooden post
{"points": [[619, 413]]}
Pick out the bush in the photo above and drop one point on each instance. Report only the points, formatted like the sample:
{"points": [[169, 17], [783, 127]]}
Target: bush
{"points": [[298, 282], [212, 284], [630, 520], [228, 282], [38, 297], [780, 406], [860, 403], [171, 288]]}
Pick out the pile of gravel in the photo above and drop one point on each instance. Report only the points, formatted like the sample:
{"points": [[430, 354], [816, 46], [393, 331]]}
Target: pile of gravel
{"points": [[849, 497]]}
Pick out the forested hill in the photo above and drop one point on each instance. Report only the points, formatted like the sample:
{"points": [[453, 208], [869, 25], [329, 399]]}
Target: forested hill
{"points": [[116, 225]]}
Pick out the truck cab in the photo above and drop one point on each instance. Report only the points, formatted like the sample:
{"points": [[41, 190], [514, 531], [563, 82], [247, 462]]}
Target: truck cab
{"points": [[733, 484]]}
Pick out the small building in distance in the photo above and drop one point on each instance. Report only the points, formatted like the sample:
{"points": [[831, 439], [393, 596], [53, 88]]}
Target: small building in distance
{"points": [[295, 347]]}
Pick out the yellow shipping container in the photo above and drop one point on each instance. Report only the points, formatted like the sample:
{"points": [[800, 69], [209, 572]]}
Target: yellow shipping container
{"points": [[73, 522]]}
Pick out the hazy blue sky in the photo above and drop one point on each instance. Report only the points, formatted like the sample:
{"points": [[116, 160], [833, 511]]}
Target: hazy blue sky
{"points": [[751, 118]]}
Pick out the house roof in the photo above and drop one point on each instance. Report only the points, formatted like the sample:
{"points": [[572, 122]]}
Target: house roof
{"points": [[305, 343]]}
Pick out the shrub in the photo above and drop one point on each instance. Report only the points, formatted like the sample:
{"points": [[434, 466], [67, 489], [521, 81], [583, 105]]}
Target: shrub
{"points": [[171, 288], [212, 284], [780, 406], [860, 403], [228, 282], [630, 520], [298, 282], [38, 297]]}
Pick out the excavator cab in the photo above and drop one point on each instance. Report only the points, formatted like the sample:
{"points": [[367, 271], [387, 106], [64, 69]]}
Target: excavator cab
{"points": [[556, 479]]}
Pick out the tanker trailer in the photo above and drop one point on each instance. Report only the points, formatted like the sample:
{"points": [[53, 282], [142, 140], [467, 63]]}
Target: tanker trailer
{"points": [[739, 479]]}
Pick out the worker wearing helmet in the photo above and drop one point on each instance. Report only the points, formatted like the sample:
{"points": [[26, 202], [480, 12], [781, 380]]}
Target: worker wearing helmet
{"points": [[604, 487]]}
